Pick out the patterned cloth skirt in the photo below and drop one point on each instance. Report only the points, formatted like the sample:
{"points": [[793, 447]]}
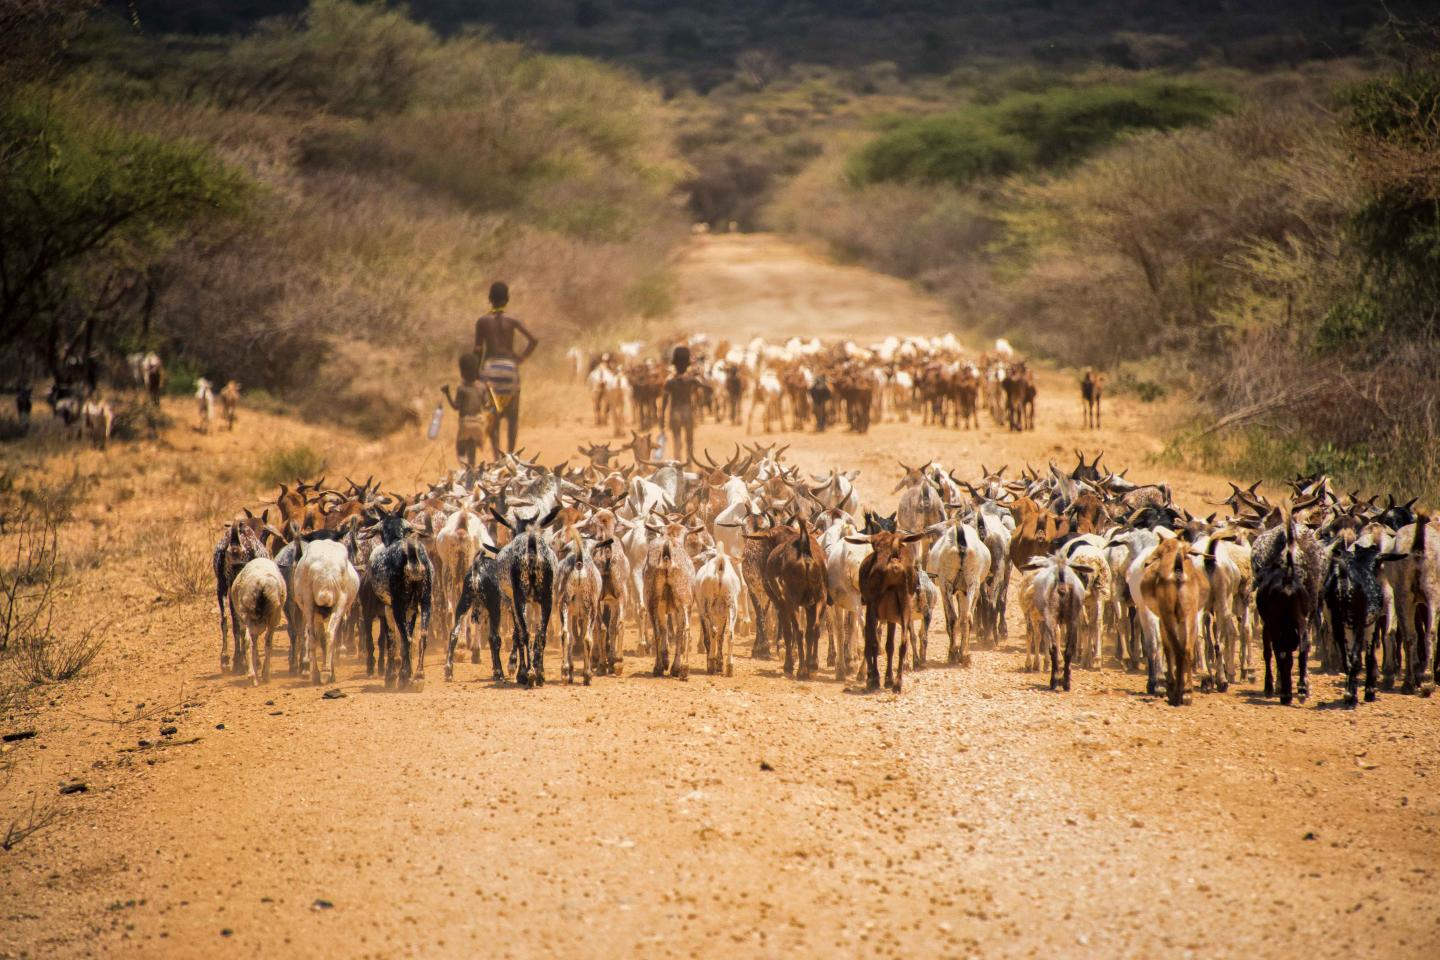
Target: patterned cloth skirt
{"points": [[503, 376]]}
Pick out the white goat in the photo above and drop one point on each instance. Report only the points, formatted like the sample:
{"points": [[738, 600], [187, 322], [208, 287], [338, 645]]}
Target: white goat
{"points": [[718, 585], [325, 585], [257, 600], [960, 563], [205, 403]]}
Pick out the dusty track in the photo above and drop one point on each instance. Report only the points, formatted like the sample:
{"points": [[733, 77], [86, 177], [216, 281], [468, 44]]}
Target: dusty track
{"points": [[978, 814]]}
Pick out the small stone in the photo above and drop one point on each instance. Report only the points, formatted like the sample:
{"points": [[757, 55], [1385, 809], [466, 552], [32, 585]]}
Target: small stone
{"points": [[169, 730], [142, 744], [322, 905], [765, 766], [18, 735], [219, 726], [1310, 835], [74, 786], [227, 932], [276, 713], [334, 694]]}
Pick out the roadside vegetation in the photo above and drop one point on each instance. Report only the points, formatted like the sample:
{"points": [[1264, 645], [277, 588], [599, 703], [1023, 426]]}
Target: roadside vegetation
{"points": [[316, 207]]}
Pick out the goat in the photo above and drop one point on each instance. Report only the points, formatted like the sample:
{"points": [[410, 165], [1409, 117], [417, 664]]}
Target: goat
{"points": [[669, 578], [527, 571], [236, 548], [1355, 602], [326, 584], [888, 582], [257, 599], [230, 402], [960, 562], [614, 569], [402, 578], [1289, 570], [205, 403], [578, 591], [1057, 595], [794, 579], [1176, 595], [97, 419], [717, 601], [1419, 603], [479, 590]]}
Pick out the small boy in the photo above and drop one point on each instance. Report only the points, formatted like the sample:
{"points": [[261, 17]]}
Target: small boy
{"points": [[472, 401]]}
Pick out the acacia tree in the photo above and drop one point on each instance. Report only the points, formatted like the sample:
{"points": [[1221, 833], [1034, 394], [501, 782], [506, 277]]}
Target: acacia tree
{"points": [[85, 209]]}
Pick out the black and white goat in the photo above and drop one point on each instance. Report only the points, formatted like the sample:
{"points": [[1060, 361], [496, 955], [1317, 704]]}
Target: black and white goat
{"points": [[402, 578], [1289, 566], [479, 592], [527, 572], [1356, 603], [241, 543]]}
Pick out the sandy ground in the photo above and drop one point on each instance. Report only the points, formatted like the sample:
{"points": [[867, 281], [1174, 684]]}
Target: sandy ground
{"points": [[979, 814]]}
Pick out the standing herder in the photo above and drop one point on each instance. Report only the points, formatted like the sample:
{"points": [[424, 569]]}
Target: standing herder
{"points": [[499, 363], [677, 403], [476, 407]]}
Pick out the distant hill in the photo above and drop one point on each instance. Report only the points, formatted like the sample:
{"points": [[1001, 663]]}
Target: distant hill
{"points": [[701, 40]]}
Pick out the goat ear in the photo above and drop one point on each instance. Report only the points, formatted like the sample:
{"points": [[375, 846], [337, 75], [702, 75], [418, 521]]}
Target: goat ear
{"points": [[1392, 557], [913, 537], [500, 519], [857, 540]]}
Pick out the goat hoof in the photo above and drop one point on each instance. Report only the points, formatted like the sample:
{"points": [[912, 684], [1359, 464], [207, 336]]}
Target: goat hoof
{"points": [[1369, 696], [1269, 690], [1427, 689], [475, 655], [449, 674], [658, 672], [587, 680], [1222, 686], [1066, 684], [1206, 685], [1351, 701], [1285, 699]]}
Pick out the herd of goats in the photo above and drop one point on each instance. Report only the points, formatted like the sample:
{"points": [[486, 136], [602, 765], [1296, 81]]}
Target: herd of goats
{"points": [[808, 381], [755, 544]]}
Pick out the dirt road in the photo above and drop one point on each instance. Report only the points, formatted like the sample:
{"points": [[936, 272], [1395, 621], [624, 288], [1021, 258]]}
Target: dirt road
{"points": [[979, 814]]}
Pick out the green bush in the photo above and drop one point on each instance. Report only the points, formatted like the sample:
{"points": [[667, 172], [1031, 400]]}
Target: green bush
{"points": [[1025, 130], [287, 464]]}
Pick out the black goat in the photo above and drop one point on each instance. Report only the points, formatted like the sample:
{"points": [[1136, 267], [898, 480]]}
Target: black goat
{"points": [[401, 577], [1289, 569], [481, 590], [527, 567], [240, 544], [1356, 604]]}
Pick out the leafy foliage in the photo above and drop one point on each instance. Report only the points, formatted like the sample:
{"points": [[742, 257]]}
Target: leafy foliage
{"points": [[1024, 130], [82, 199]]}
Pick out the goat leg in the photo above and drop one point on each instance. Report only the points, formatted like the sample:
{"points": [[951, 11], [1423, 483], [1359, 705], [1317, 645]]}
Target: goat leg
{"points": [[872, 650]]}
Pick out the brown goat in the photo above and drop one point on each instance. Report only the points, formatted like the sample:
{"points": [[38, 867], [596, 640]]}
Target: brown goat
{"points": [[888, 580], [1176, 595], [793, 577]]}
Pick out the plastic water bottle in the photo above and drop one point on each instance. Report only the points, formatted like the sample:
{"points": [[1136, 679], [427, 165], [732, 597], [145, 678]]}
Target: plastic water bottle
{"points": [[434, 430]]}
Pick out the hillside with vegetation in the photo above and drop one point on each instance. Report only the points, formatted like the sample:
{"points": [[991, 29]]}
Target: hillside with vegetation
{"points": [[316, 208]]}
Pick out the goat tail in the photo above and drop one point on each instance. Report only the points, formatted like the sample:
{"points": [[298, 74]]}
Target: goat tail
{"points": [[1421, 522], [1179, 567], [325, 598]]}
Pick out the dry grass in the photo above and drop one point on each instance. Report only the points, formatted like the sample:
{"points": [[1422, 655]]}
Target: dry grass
{"points": [[47, 658], [176, 567]]}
